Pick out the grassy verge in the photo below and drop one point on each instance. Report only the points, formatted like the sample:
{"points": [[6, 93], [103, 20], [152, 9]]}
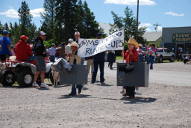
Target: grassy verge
{"points": [[119, 58]]}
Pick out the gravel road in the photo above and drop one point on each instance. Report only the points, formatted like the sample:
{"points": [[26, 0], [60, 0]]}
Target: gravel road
{"points": [[164, 104], [177, 74]]}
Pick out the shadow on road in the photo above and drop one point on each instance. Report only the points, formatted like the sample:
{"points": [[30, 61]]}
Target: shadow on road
{"points": [[103, 84], [77, 96], [138, 100], [84, 88]]}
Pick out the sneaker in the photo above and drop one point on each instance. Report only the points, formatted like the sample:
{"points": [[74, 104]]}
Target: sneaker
{"points": [[79, 90], [132, 97], [122, 92], [92, 82], [43, 85], [35, 85], [103, 84]]}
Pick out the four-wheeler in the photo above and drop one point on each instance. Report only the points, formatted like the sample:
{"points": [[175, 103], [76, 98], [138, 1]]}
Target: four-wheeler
{"points": [[20, 72]]}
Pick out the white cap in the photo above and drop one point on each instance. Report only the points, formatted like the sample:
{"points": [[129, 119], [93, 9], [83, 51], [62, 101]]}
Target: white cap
{"points": [[70, 40], [42, 33], [74, 44]]}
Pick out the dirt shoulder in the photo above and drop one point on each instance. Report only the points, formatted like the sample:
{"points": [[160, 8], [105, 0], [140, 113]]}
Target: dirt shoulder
{"points": [[97, 107], [158, 106]]}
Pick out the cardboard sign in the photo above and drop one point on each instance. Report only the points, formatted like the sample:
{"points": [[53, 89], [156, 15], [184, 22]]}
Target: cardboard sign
{"points": [[138, 76], [78, 75]]}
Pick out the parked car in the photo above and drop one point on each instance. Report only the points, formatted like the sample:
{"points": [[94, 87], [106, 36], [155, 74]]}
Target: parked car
{"points": [[164, 54]]}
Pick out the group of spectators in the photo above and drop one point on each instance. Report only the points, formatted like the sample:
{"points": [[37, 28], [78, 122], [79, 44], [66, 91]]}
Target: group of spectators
{"points": [[25, 53], [37, 53], [147, 54]]}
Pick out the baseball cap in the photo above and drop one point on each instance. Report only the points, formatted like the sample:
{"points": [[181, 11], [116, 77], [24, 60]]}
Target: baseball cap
{"points": [[42, 33], [70, 40], [5, 32], [23, 37], [99, 34]]}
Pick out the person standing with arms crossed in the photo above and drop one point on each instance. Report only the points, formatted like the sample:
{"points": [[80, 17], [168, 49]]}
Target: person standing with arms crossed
{"points": [[40, 53]]}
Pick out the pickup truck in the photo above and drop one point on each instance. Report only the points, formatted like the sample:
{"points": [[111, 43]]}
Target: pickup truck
{"points": [[164, 54]]}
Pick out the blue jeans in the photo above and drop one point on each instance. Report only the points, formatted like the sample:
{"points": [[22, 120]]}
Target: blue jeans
{"points": [[141, 58], [151, 61]]}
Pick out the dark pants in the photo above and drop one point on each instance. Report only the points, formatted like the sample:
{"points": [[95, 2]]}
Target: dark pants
{"points": [[110, 65], [101, 68], [130, 91], [52, 58], [74, 86], [3, 57]]}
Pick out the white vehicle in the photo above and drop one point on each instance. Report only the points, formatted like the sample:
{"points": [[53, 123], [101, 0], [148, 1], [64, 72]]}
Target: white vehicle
{"points": [[164, 54]]}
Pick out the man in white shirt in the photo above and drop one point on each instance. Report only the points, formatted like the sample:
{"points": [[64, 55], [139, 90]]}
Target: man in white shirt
{"points": [[52, 52]]}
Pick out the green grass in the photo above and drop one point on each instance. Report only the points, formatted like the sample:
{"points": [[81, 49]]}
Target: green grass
{"points": [[167, 61], [119, 58]]}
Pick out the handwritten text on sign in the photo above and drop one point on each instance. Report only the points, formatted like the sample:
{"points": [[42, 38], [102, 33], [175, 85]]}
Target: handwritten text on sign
{"points": [[90, 47]]}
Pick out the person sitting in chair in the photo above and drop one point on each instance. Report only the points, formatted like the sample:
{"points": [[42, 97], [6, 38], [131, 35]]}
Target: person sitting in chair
{"points": [[23, 51]]}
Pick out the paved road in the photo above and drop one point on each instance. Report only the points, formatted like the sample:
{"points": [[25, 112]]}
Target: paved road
{"points": [[171, 74], [176, 74]]}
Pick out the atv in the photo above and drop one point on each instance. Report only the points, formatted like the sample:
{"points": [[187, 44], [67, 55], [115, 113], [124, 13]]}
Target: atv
{"points": [[20, 72]]}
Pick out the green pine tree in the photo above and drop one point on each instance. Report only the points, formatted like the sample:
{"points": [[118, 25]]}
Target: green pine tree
{"points": [[1, 28], [6, 26], [91, 26], [25, 19], [65, 16], [129, 24], [15, 30], [49, 18]]}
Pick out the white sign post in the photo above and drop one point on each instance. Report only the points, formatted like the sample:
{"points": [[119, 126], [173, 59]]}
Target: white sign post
{"points": [[90, 47]]}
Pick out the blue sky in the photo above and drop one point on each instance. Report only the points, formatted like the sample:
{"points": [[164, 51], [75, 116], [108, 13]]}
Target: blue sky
{"points": [[167, 13]]}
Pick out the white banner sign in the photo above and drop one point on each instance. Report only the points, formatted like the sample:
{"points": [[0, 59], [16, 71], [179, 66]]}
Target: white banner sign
{"points": [[90, 47]]}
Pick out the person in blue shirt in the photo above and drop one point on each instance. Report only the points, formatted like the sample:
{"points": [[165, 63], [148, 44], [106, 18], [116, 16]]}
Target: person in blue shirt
{"points": [[5, 43]]}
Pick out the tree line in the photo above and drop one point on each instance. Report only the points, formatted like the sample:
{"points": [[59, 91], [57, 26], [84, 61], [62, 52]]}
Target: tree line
{"points": [[61, 18]]}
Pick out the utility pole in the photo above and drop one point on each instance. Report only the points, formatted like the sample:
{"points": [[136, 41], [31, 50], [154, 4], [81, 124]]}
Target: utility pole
{"points": [[137, 15]]}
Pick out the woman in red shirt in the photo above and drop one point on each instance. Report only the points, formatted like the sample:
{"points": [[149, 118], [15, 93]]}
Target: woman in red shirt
{"points": [[131, 56]]}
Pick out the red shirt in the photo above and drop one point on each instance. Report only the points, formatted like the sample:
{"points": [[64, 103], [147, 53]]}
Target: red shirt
{"points": [[23, 51], [131, 57]]}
